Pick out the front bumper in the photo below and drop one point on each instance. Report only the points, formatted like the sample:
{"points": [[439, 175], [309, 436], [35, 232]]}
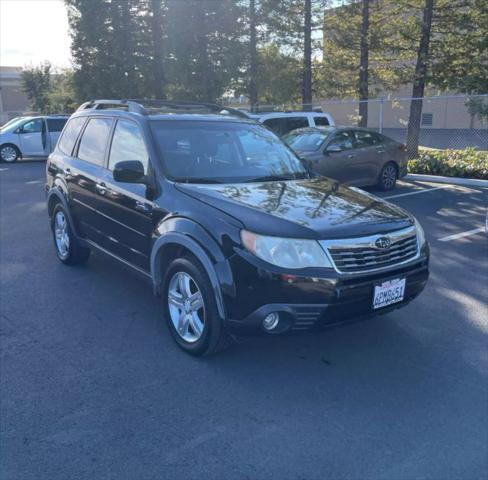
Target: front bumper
{"points": [[311, 302]]}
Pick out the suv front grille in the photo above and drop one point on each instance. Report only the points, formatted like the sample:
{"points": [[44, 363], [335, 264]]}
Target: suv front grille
{"points": [[364, 255]]}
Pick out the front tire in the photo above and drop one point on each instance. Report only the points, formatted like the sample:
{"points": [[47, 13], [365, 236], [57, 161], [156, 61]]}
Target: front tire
{"points": [[9, 153], [190, 308], [68, 248], [388, 177]]}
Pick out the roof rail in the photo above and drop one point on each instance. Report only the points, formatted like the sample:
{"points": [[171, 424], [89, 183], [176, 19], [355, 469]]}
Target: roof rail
{"points": [[130, 106], [151, 106], [180, 106]]}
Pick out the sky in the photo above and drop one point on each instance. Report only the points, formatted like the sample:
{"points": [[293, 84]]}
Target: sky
{"points": [[32, 31]]}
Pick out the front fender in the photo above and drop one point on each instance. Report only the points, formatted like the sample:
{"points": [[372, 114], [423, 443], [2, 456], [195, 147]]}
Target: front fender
{"points": [[193, 237]]}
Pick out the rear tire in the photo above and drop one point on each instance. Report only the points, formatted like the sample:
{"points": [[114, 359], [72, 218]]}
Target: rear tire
{"points": [[190, 308], [388, 177], [68, 248], [9, 153]]}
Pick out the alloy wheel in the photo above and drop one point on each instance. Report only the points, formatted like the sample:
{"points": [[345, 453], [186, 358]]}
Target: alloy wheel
{"points": [[8, 154], [186, 307], [61, 234], [389, 176]]}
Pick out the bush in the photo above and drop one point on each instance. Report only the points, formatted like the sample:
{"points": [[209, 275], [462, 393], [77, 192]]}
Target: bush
{"points": [[467, 163]]}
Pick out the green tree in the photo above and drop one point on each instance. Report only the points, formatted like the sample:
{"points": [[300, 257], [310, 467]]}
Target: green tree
{"points": [[62, 96], [205, 48], [278, 76], [460, 46], [49, 91], [109, 47], [293, 25], [36, 83], [363, 52]]}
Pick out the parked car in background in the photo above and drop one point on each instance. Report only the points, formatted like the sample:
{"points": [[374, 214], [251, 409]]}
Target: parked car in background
{"points": [[355, 156], [283, 122], [233, 232], [30, 136]]}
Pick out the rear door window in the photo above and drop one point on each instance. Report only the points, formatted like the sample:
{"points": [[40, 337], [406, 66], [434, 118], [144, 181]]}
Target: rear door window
{"points": [[321, 121], [366, 139], [56, 124], [283, 125], [94, 141], [70, 134]]}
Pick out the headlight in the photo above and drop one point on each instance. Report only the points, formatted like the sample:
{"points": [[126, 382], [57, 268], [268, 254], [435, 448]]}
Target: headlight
{"points": [[286, 252], [420, 233]]}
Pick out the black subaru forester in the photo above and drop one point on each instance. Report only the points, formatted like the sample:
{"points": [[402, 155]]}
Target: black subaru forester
{"points": [[233, 231]]}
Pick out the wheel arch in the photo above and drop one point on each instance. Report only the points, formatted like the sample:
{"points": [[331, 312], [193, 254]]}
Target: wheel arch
{"points": [[54, 197], [180, 236]]}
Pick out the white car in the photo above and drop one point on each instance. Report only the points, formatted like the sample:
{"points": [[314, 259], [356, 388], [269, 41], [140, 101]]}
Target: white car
{"points": [[283, 122], [30, 136]]}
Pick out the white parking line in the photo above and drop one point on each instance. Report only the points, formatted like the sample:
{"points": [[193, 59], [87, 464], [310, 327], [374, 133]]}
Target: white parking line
{"points": [[461, 235], [417, 191]]}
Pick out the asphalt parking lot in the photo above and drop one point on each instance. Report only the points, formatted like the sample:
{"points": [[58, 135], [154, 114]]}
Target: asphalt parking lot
{"points": [[93, 387]]}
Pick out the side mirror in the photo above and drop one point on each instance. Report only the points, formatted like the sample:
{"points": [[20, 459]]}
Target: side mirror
{"points": [[129, 171], [334, 148]]}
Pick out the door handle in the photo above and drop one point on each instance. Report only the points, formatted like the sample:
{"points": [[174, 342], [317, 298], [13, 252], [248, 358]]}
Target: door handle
{"points": [[101, 188], [380, 150], [351, 155], [143, 207]]}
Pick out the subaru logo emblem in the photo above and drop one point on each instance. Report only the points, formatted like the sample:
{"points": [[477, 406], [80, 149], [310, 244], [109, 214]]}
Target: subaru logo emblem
{"points": [[383, 243]]}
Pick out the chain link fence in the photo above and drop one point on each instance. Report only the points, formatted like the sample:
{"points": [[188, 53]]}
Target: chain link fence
{"points": [[447, 122]]}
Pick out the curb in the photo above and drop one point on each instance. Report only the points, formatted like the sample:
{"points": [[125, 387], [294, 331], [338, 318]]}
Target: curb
{"points": [[473, 182]]}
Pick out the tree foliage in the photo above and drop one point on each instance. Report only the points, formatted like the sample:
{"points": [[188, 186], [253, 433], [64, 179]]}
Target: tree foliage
{"points": [[49, 91], [36, 84], [200, 49]]}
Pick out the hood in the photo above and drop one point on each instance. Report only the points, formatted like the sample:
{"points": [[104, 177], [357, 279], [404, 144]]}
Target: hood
{"points": [[318, 208]]}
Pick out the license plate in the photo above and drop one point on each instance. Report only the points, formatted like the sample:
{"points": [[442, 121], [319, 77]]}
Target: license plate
{"points": [[388, 292]]}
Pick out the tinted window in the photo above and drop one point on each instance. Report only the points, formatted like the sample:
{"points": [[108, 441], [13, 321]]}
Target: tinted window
{"points": [[321, 121], [127, 144], [94, 140], [56, 124], [366, 139], [34, 126], [306, 141], [284, 125], [223, 152], [344, 140], [70, 134]]}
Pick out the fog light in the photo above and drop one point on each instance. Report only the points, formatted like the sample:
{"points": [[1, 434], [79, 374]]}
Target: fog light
{"points": [[271, 321]]}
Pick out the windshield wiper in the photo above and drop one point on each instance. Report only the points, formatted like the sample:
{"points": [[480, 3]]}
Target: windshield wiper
{"points": [[277, 178], [196, 180]]}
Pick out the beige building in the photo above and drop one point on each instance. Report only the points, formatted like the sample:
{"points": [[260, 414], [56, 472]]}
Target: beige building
{"points": [[13, 102], [446, 111]]}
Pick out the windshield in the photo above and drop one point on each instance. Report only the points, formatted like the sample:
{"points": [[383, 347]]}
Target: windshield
{"points": [[224, 152], [12, 123], [306, 141]]}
